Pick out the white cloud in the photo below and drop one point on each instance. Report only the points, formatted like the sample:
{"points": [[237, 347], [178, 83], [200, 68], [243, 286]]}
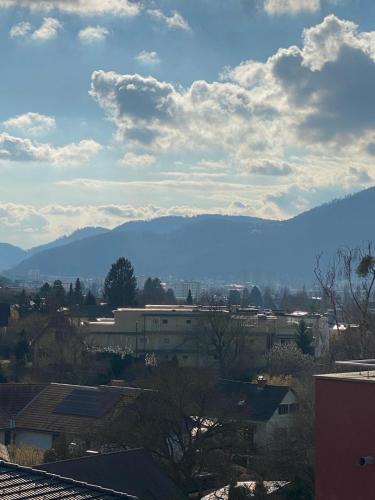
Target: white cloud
{"points": [[146, 57], [48, 30], [28, 225], [79, 7], [20, 30], [290, 6], [268, 168], [298, 118], [23, 149], [31, 123], [175, 21], [137, 160], [92, 34]]}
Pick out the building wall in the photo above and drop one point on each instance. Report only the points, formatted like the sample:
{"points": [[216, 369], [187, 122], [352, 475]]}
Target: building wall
{"points": [[345, 431], [265, 431], [40, 440], [174, 332]]}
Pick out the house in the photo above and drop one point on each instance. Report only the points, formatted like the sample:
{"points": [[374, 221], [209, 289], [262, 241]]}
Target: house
{"points": [[345, 433], [13, 398], [131, 471], [265, 408], [17, 482], [72, 410]]}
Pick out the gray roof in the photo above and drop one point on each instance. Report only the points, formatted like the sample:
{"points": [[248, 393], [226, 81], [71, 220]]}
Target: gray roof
{"points": [[245, 400], [24, 483], [132, 471]]}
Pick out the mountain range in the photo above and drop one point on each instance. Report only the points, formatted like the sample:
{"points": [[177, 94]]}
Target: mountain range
{"points": [[207, 246]]}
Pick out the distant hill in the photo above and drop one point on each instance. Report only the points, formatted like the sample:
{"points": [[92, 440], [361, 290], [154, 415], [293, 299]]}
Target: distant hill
{"points": [[79, 234], [10, 255], [218, 247], [163, 225]]}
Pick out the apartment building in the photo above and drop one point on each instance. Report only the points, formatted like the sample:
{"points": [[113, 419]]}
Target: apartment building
{"points": [[175, 332]]}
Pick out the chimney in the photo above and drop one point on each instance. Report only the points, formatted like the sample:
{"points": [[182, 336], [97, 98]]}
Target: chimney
{"points": [[261, 382]]}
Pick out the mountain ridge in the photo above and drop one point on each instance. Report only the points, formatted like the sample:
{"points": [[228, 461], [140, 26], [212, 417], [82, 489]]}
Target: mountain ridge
{"points": [[217, 246]]}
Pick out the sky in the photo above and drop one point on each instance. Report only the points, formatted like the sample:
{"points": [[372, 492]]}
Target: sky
{"points": [[114, 110]]}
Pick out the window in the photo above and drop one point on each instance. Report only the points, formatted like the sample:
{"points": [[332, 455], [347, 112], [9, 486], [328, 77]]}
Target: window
{"points": [[155, 322], [166, 340], [165, 321], [283, 409], [188, 321], [185, 356]]}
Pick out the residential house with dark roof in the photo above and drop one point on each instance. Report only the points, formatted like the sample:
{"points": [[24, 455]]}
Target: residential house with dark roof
{"points": [[131, 471], [17, 482], [265, 407], [68, 409]]}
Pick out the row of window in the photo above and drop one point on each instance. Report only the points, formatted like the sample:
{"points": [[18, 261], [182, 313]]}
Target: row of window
{"points": [[155, 321], [284, 409]]}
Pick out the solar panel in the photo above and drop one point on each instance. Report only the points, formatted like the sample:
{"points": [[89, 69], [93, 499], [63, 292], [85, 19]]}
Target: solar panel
{"points": [[88, 403]]}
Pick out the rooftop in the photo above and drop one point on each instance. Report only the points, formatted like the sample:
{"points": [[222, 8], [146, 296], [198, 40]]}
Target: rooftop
{"points": [[14, 397], [365, 373], [17, 482], [248, 400], [73, 409], [131, 471]]}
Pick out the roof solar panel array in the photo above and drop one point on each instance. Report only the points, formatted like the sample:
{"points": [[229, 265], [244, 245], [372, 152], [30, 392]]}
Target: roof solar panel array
{"points": [[18, 483], [88, 402]]}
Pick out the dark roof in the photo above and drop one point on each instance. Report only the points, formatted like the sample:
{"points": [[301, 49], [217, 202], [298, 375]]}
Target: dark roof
{"points": [[17, 483], [42, 412], [14, 397], [248, 401], [88, 403], [131, 471]]}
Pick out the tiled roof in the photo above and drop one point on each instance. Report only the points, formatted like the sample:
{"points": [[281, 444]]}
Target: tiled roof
{"points": [[40, 413], [131, 471], [24, 483], [14, 397]]}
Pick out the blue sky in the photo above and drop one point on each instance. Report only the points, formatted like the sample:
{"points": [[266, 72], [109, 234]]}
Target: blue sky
{"points": [[115, 110]]}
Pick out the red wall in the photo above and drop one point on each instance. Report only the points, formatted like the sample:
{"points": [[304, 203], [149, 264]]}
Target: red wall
{"points": [[345, 431]]}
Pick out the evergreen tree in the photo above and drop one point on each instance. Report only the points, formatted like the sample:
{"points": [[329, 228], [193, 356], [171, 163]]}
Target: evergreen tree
{"points": [[45, 290], [304, 339], [245, 297], [256, 298], [23, 304], [78, 294], [120, 284], [234, 298], [189, 298], [268, 301], [153, 292], [170, 297], [70, 299], [58, 292], [90, 299]]}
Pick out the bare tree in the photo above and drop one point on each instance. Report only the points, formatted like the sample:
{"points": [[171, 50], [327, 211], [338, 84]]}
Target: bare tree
{"points": [[352, 271], [174, 420], [221, 336]]}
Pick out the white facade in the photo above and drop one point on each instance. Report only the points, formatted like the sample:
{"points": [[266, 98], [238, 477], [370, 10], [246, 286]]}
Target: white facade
{"points": [[34, 439]]}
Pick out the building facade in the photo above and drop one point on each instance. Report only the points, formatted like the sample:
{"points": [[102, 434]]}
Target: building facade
{"points": [[176, 332], [345, 436]]}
